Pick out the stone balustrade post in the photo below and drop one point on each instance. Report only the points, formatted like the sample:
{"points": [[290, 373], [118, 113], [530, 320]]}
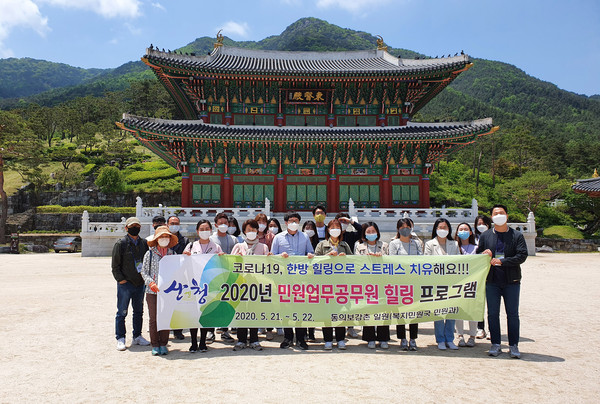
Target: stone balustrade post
{"points": [[138, 207]]}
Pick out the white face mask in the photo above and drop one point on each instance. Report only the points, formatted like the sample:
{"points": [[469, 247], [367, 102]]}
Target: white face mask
{"points": [[482, 228], [163, 242], [499, 219], [441, 233], [251, 235], [231, 229], [222, 228], [204, 235], [174, 228], [262, 227], [274, 230], [335, 232], [293, 226], [309, 233]]}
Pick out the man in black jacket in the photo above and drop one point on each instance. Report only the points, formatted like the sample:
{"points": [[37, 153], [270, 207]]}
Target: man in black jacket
{"points": [[127, 256], [508, 251]]}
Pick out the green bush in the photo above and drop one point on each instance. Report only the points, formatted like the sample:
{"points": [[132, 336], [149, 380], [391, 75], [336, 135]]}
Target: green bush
{"points": [[110, 180], [137, 177], [88, 169], [563, 232], [81, 208]]}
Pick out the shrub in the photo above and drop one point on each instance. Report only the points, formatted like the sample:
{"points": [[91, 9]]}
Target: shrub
{"points": [[79, 209], [110, 180], [563, 232]]}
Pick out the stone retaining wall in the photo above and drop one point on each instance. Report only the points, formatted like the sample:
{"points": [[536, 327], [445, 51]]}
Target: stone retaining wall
{"points": [[568, 245]]}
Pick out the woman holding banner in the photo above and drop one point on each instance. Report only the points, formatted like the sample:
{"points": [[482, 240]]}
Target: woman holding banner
{"points": [[441, 243], [405, 244], [249, 247], [468, 246], [202, 246], [333, 245], [159, 246], [371, 245]]}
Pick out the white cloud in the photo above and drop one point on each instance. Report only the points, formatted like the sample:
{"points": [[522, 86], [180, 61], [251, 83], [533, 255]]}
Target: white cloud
{"points": [[235, 28], [159, 6], [353, 6], [133, 29], [105, 8], [19, 13]]}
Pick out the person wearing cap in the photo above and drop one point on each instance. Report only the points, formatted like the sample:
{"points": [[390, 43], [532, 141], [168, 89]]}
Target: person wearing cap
{"points": [[160, 246], [127, 257]]}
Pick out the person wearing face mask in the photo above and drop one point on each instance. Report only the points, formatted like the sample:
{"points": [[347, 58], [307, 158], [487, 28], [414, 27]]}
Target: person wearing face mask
{"points": [[319, 214], [127, 257], [371, 245], [234, 229], [264, 235], [482, 224], [293, 242], [273, 229], [466, 239], [334, 245], [156, 222], [161, 245], [251, 246], [441, 243], [508, 250], [182, 241], [204, 245], [310, 229], [414, 235], [404, 244]]}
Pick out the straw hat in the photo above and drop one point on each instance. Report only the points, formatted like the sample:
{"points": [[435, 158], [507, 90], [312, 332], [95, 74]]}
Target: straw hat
{"points": [[161, 231]]}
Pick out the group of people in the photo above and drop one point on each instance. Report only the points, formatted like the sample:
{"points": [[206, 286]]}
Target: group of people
{"points": [[135, 264]]}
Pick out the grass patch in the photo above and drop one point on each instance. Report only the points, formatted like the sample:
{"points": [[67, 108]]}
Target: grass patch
{"points": [[81, 208], [563, 232]]}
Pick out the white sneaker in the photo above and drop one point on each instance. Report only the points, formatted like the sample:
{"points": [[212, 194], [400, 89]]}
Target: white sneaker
{"points": [[256, 346], [121, 344], [480, 334], [371, 345], [461, 341], [352, 332], [341, 345], [139, 340], [442, 346], [328, 346], [384, 345], [452, 346]]}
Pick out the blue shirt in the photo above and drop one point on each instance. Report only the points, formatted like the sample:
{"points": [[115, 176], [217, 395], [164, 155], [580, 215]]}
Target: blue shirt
{"points": [[296, 244]]}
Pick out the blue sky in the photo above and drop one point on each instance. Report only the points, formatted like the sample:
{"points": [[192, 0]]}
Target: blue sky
{"points": [[553, 40]]}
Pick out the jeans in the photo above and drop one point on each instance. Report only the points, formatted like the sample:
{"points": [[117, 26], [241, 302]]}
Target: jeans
{"points": [[126, 293], [510, 293], [444, 330]]}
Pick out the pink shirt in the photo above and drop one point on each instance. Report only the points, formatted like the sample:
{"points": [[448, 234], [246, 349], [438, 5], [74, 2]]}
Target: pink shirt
{"points": [[197, 248], [244, 249]]}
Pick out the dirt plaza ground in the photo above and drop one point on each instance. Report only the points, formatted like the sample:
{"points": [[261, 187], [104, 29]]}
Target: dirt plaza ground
{"points": [[58, 346]]}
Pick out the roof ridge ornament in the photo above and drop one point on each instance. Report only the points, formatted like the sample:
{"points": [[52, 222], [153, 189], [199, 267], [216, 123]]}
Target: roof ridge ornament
{"points": [[219, 42], [380, 44], [595, 175]]}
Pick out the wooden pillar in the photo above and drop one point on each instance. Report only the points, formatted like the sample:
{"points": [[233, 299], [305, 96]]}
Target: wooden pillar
{"points": [[186, 190], [280, 194], [227, 200], [386, 192], [333, 194], [424, 191]]}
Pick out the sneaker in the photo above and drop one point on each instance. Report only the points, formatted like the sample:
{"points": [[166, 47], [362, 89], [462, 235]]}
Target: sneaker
{"points": [[412, 345], [461, 341], [210, 337], [269, 336], [139, 340], [239, 346], [371, 345], [384, 345], [280, 331], [495, 350], [203, 348], [193, 348], [328, 346], [256, 346], [178, 334], [452, 345], [285, 344], [121, 344], [514, 352], [403, 345], [352, 332], [226, 337], [163, 350], [442, 346], [341, 345], [155, 351], [302, 345], [480, 334], [471, 342]]}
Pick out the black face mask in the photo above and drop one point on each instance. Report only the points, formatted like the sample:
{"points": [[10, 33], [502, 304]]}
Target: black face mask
{"points": [[133, 231]]}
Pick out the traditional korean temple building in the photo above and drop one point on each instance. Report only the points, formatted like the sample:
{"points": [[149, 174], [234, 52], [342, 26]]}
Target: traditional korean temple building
{"points": [[302, 128], [590, 186]]}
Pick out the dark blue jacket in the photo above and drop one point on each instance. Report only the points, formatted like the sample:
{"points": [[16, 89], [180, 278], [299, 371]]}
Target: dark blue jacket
{"points": [[515, 252]]}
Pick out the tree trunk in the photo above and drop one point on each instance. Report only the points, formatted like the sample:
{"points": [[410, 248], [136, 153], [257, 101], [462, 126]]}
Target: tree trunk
{"points": [[4, 212], [478, 170]]}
